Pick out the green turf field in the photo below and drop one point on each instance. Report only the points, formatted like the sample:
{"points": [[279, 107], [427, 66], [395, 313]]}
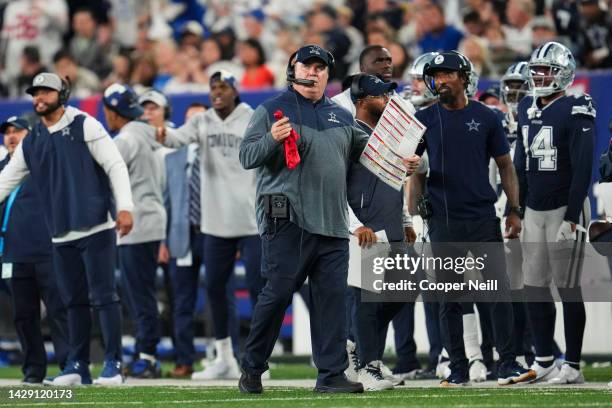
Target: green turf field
{"points": [[189, 395], [287, 397]]}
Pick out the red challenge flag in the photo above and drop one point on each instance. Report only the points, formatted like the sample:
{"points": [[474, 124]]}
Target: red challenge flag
{"points": [[292, 157]]}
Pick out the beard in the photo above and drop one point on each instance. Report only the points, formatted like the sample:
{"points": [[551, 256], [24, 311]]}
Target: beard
{"points": [[375, 111], [50, 109], [446, 97]]}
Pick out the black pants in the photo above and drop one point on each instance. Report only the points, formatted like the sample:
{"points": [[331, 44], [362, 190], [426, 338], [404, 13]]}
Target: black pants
{"points": [[289, 256], [470, 232], [31, 283]]}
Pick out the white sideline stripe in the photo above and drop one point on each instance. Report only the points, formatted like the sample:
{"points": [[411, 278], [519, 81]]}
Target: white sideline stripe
{"points": [[324, 397]]}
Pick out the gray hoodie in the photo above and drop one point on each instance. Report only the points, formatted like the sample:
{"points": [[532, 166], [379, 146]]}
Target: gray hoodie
{"points": [[136, 143], [227, 190]]}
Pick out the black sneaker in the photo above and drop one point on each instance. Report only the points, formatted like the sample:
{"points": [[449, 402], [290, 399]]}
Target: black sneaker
{"points": [[250, 383], [512, 372], [339, 384], [143, 368], [32, 380], [456, 379], [426, 374]]}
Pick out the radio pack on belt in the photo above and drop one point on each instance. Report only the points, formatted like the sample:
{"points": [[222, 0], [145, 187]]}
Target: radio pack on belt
{"points": [[276, 206]]}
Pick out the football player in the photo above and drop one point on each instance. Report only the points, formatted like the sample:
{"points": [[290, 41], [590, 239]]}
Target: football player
{"points": [[554, 159]]}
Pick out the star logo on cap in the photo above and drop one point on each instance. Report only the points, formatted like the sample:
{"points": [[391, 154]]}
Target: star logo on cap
{"points": [[473, 125], [314, 50], [439, 59], [39, 79], [12, 119]]}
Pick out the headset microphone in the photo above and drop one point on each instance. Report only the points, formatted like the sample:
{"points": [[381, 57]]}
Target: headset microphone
{"points": [[303, 82]]}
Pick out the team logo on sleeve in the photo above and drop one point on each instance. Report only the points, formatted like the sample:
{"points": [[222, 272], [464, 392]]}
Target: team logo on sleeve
{"points": [[472, 125]]}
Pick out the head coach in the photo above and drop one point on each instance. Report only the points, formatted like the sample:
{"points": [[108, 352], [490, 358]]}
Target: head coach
{"points": [[462, 135], [302, 216]]}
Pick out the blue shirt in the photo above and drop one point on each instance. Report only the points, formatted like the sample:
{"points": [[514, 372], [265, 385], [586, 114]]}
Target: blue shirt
{"points": [[27, 238], [460, 144], [447, 40], [554, 154]]}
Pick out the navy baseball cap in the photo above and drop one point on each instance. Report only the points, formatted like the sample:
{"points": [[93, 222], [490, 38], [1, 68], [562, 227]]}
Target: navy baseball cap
{"points": [[450, 61], [308, 52], [370, 85], [17, 121], [45, 80], [123, 100]]}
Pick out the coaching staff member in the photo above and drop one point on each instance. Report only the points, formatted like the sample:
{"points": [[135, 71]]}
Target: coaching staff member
{"points": [[302, 217], [462, 135]]}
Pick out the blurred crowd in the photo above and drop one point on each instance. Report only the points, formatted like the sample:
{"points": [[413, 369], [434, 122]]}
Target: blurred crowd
{"points": [[174, 45]]}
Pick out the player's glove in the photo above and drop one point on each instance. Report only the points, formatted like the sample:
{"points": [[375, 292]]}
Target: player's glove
{"points": [[565, 232]]}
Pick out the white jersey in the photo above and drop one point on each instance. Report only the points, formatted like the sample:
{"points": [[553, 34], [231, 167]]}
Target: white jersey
{"points": [[32, 22]]}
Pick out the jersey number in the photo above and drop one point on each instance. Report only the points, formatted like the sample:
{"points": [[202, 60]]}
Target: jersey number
{"points": [[542, 148]]}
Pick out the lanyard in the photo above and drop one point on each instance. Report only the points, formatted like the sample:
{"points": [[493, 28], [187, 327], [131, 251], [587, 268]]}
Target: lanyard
{"points": [[7, 211]]}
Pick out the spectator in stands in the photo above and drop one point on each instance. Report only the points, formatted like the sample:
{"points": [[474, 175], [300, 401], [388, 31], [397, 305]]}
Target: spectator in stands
{"points": [[387, 9], [324, 22], [595, 36], [519, 14], [256, 74], [377, 36], [438, 36], [32, 22], [84, 45], [192, 33], [501, 55], [165, 55], [122, 70], [144, 72], [475, 49], [473, 24], [543, 31], [211, 59], [187, 75], [345, 18], [567, 21], [193, 108], [288, 40], [255, 27], [31, 66], [84, 83], [401, 61]]}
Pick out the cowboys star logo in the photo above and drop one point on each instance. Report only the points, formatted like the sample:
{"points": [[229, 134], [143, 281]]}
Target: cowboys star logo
{"points": [[473, 125], [314, 50], [66, 131], [332, 118]]}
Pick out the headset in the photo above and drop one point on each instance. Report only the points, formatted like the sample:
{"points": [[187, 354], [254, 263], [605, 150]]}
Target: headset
{"points": [[306, 82], [64, 92], [356, 88], [465, 68]]}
